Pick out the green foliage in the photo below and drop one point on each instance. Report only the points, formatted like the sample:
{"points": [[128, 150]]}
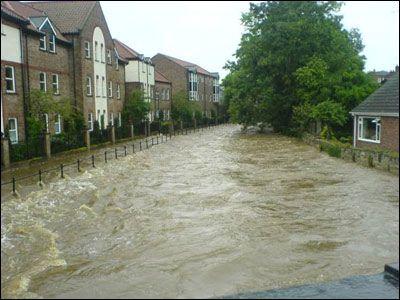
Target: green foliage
{"points": [[333, 149], [165, 127], [136, 108], [183, 109], [294, 63]]}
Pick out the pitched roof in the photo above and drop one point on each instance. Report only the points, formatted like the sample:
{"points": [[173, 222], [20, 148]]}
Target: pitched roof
{"points": [[384, 101], [187, 64], [69, 16], [160, 77], [9, 10], [34, 16], [124, 51]]}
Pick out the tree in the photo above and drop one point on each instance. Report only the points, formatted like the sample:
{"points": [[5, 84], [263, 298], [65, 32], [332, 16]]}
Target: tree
{"points": [[136, 108], [183, 109], [293, 56]]}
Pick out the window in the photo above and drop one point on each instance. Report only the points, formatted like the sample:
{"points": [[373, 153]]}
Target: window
{"points": [[116, 62], [164, 115], [42, 43], [103, 86], [55, 85], [87, 49], [10, 79], [167, 96], [193, 86], [90, 122], [111, 119], [52, 43], [110, 89], [369, 129], [97, 86], [168, 114], [118, 92], [119, 120], [89, 86], [46, 119], [42, 82], [57, 124], [109, 61], [98, 114], [96, 54], [13, 130], [102, 52]]}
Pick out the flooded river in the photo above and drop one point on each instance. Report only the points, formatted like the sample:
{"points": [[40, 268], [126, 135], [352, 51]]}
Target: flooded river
{"points": [[204, 215]]}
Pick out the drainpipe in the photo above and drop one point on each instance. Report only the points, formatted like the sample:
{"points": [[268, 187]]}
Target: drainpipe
{"points": [[73, 72], [25, 79]]}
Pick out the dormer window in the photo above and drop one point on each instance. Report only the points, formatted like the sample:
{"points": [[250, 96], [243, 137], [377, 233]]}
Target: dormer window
{"points": [[52, 43], [42, 43]]}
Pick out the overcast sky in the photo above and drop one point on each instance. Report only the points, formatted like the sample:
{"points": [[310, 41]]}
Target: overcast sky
{"points": [[208, 33]]}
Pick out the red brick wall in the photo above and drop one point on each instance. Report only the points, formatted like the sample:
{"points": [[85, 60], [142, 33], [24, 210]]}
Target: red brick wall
{"points": [[163, 104]]}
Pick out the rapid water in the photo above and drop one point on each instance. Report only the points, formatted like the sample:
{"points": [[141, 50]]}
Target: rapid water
{"points": [[208, 214]]}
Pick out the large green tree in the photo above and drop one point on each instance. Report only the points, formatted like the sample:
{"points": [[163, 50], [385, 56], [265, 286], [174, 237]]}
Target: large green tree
{"points": [[183, 109], [294, 56], [136, 108]]}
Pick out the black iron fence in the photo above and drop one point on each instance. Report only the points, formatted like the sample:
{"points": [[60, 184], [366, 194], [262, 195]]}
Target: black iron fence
{"points": [[67, 141], [106, 156], [122, 132], [99, 136], [31, 148]]}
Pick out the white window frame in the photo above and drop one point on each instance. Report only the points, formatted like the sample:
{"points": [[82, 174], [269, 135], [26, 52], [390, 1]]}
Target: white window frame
{"points": [[167, 97], [57, 125], [110, 89], [88, 85], [97, 86], [109, 59], [378, 129], [52, 42], [44, 82], [96, 50], [90, 121], [13, 130], [102, 53], [103, 87], [87, 49], [55, 84], [12, 79], [119, 120], [118, 91], [43, 39], [116, 63]]}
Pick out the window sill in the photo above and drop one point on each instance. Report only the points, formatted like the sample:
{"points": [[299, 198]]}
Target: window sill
{"points": [[89, 95], [369, 141], [88, 58], [11, 92], [53, 52], [44, 50], [57, 94]]}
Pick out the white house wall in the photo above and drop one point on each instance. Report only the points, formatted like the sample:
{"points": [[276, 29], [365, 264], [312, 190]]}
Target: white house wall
{"points": [[10, 44], [99, 70]]}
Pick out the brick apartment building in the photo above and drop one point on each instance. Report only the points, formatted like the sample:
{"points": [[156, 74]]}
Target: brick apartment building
{"points": [[62, 47], [28, 39], [139, 73], [199, 84], [163, 96]]}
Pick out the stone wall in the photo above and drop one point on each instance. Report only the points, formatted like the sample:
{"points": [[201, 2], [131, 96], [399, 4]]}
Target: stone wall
{"points": [[371, 158]]}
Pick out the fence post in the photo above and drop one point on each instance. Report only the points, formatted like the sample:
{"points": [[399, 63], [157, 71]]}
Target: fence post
{"points": [[13, 186], [47, 144], [152, 141], [86, 138], [132, 132], [105, 156], [157, 140], [147, 144], [116, 154], [181, 125], [133, 147], [62, 170], [125, 150], [5, 152], [194, 123], [112, 134], [140, 145], [93, 161], [79, 167], [40, 176]]}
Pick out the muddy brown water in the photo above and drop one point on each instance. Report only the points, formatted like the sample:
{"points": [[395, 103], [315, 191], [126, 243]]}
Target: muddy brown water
{"points": [[204, 215]]}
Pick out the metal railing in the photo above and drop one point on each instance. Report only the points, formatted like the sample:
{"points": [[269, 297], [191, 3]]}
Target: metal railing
{"points": [[107, 155]]}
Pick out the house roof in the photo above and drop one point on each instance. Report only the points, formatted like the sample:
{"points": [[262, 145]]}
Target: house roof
{"points": [[125, 51], [187, 64], [69, 16], [384, 101], [159, 77], [379, 73], [35, 17], [9, 10]]}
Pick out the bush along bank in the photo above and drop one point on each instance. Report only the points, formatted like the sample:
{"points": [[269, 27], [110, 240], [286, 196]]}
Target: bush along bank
{"points": [[372, 158]]}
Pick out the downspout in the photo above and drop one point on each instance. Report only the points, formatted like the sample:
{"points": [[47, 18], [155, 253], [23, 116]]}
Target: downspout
{"points": [[74, 75], [354, 130], [25, 83]]}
